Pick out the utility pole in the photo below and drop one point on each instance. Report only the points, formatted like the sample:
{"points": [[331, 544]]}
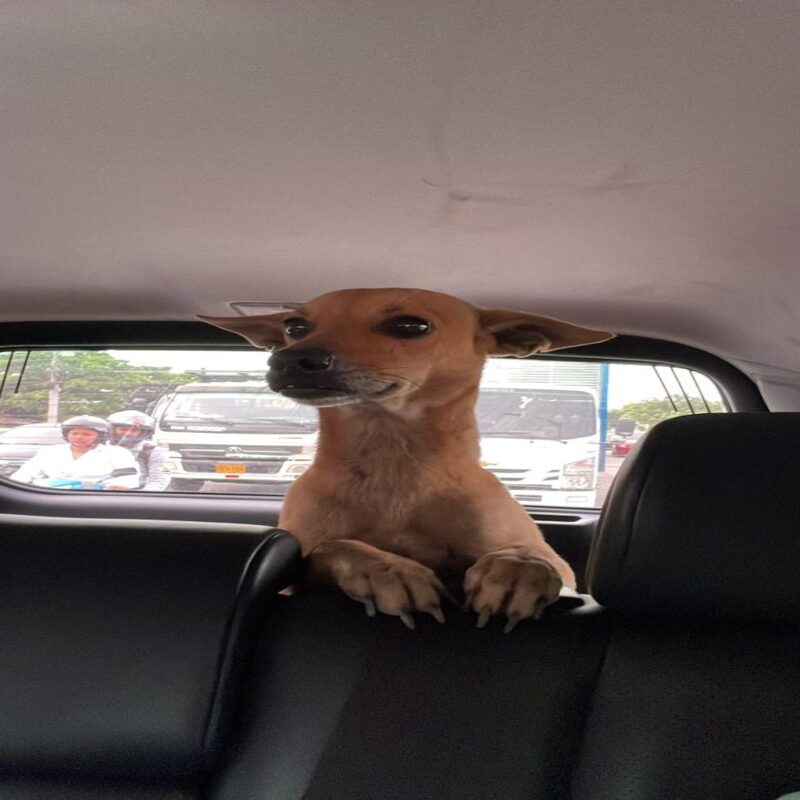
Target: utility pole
{"points": [[54, 387]]}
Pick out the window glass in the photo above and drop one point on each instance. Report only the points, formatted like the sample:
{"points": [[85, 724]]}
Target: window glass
{"points": [[554, 431]]}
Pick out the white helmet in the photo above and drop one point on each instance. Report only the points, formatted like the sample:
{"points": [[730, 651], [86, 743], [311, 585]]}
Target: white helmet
{"points": [[86, 421], [130, 419]]}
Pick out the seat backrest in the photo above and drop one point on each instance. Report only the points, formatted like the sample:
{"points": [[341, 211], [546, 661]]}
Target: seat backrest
{"points": [[696, 558], [121, 642], [349, 707]]}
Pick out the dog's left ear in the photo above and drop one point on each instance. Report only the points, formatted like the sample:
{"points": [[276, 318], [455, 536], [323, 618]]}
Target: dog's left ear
{"points": [[519, 334], [262, 330]]}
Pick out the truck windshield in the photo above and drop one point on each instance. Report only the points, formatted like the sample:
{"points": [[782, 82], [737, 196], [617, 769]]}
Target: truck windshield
{"points": [[537, 413], [244, 410]]}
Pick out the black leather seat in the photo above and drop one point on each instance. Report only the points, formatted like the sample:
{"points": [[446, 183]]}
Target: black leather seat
{"points": [[120, 653], [346, 707], [123, 642], [697, 560]]}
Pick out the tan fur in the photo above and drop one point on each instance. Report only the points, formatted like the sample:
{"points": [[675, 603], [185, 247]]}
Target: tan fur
{"points": [[396, 492]]}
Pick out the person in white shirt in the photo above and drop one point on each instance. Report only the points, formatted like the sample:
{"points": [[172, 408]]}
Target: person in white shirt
{"points": [[84, 462], [132, 429]]}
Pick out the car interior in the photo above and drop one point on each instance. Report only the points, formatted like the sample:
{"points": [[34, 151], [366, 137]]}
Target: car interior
{"points": [[629, 166]]}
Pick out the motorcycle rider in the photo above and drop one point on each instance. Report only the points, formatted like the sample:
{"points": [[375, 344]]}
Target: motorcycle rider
{"points": [[132, 430], [85, 461]]}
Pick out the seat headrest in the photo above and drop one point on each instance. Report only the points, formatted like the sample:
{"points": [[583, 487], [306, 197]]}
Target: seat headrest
{"points": [[703, 521]]}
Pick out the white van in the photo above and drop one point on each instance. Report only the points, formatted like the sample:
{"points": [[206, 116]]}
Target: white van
{"points": [[226, 432]]}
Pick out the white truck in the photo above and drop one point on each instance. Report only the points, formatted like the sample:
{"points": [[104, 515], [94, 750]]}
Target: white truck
{"points": [[542, 442], [542, 430], [540, 422], [233, 431]]}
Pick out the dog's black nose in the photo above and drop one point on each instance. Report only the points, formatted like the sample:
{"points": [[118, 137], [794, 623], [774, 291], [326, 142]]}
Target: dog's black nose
{"points": [[301, 360]]}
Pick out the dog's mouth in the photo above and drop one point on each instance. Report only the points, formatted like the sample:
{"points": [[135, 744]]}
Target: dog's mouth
{"points": [[330, 394], [315, 396]]}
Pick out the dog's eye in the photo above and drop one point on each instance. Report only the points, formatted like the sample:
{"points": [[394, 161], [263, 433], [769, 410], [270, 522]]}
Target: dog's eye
{"points": [[405, 327], [296, 327]]}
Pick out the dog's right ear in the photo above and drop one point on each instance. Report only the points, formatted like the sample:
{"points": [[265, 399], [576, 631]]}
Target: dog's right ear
{"points": [[516, 333], [265, 330]]}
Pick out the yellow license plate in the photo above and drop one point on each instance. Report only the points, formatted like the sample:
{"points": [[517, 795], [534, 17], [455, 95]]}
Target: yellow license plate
{"points": [[231, 468]]}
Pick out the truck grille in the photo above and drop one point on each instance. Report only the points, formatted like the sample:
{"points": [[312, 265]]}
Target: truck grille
{"points": [[257, 468], [515, 476], [245, 453]]}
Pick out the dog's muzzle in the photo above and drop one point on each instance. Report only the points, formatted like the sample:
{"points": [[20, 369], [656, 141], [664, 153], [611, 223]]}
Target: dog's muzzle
{"points": [[304, 372], [314, 376]]}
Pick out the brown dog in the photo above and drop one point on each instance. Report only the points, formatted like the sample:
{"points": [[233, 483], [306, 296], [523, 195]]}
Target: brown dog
{"points": [[396, 493]]}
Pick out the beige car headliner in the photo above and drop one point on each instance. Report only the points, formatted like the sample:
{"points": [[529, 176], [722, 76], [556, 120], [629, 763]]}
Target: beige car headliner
{"points": [[628, 165]]}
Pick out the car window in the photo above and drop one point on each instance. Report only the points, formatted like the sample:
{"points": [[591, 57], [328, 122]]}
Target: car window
{"points": [[555, 431]]}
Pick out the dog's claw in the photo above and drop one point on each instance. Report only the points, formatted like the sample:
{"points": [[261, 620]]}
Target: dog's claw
{"points": [[369, 606], [468, 601], [437, 614], [408, 620], [484, 616], [513, 619]]}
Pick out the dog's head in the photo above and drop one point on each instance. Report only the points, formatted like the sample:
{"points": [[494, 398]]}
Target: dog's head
{"points": [[388, 345]]}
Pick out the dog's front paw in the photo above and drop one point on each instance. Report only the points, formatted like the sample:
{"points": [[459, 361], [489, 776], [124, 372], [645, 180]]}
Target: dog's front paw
{"points": [[508, 583], [385, 582], [399, 589]]}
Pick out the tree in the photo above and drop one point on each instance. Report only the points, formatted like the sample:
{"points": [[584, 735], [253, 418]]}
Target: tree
{"points": [[87, 382], [648, 412]]}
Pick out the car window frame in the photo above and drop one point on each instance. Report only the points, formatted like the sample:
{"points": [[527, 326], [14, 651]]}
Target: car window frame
{"points": [[738, 391]]}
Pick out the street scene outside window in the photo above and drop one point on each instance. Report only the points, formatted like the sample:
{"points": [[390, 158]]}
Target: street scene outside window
{"points": [[554, 431]]}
